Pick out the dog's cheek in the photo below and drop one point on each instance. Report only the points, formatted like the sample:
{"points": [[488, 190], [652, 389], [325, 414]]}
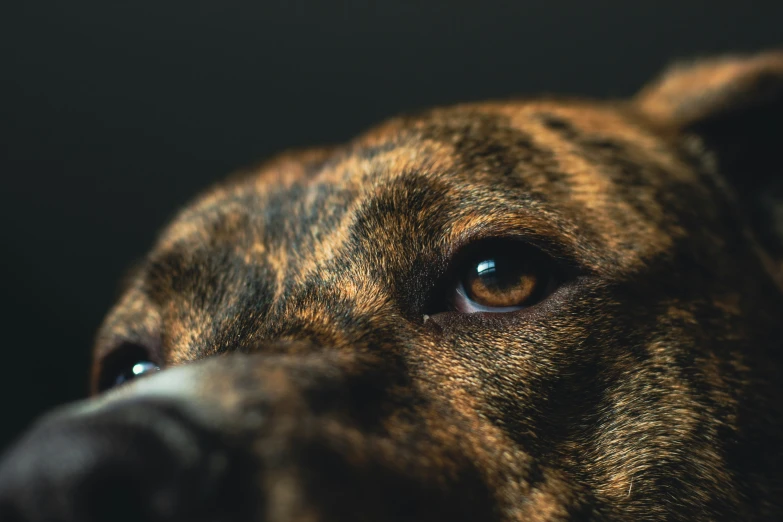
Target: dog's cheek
{"points": [[631, 414]]}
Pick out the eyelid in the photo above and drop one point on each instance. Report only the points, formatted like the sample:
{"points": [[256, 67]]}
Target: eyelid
{"points": [[566, 255]]}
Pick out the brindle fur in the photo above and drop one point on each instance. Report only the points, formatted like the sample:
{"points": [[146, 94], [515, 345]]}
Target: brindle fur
{"points": [[647, 387]]}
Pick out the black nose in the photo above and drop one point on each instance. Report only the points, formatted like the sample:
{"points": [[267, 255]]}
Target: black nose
{"points": [[140, 461]]}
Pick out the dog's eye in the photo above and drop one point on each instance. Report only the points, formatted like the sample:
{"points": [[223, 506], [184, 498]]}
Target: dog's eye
{"points": [[137, 370], [124, 364], [502, 276]]}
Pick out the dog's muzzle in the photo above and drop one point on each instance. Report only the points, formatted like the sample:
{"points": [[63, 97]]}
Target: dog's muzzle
{"points": [[261, 437], [139, 459]]}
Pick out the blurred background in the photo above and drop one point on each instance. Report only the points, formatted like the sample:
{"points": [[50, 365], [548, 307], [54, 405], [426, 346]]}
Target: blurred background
{"points": [[113, 114]]}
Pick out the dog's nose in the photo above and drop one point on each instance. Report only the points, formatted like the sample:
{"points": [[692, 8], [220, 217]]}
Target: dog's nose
{"points": [[140, 460]]}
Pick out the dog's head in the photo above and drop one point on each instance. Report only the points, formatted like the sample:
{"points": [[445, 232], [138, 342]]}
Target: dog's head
{"points": [[542, 310]]}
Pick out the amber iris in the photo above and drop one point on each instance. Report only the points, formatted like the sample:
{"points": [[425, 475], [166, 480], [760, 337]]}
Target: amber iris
{"points": [[502, 282]]}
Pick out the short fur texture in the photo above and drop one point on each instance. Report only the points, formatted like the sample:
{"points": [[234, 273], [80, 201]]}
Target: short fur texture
{"points": [[338, 385]]}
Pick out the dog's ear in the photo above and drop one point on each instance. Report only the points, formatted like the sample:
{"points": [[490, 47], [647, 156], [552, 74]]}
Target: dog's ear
{"points": [[735, 105]]}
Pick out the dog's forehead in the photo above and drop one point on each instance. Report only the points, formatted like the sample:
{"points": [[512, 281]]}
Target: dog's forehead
{"points": [[586, 175]]}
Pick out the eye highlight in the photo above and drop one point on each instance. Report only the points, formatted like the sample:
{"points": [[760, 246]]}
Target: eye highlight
{"points": [[125, 363], [502, 276], [137, 370]]}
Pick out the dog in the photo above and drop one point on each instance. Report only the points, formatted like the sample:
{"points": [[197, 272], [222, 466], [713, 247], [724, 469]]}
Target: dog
{"points": [[550, 309]]}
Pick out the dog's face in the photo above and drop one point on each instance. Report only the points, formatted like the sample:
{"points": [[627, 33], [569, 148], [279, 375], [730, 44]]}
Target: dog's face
{"points": [[542, 310]]}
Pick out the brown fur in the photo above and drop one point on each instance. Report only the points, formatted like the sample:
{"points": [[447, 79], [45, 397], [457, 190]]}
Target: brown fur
{"points": [[646, 387]]}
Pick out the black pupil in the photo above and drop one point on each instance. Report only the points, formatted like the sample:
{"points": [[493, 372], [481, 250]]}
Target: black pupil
{"points": [[497, 273], [137, 370]]}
